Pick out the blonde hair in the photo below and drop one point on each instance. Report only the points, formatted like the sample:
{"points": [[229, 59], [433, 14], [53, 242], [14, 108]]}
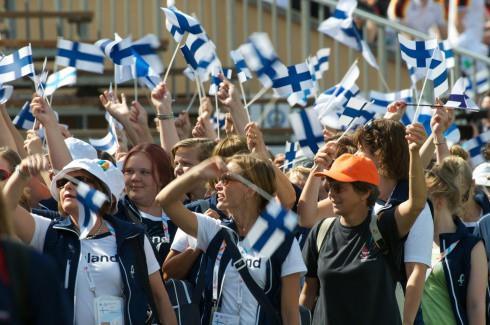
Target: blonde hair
{"points": [[457, 150], [258, 171], [452, 181]]}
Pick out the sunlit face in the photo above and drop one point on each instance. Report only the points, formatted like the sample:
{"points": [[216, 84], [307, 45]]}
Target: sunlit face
{"points": [[344, 198], [139, 179], [231, 192], [185, 159], [5, 168]]}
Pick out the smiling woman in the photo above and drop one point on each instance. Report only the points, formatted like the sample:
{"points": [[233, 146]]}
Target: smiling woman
{"points": [[147, 169], [277, 275], [95, 268]]}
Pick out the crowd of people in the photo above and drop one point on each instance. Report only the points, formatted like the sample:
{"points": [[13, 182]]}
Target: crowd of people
{"points": [[392, 224]]}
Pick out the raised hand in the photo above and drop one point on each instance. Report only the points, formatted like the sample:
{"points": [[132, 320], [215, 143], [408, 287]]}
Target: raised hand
{"points": [[395, 110], [255, 140], [32, 165], [415, 135], [118, 109], [228, 95], [161, 99], [33, 143], [43, 112], [326, 155], [183, 125]]}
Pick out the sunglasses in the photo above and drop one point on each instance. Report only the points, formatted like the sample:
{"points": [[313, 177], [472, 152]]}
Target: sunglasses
{"points": [[226, 178], [62, 181], [4, 174]]}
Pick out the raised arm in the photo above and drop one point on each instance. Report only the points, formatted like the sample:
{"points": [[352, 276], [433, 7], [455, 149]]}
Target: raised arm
{"points": [[255, 142], [170, 197], [230, 98], [162, 102], [7, 139], [406, 213], [12, 191], [58, 151], [309, 209], [16, 136]]}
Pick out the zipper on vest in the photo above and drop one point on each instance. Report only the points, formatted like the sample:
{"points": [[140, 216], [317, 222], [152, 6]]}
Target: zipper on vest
{"points": [[67, 273], [129, 289]]}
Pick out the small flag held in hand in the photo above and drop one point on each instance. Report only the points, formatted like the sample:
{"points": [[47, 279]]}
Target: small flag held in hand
{"points": [[271, 228], [91, 200]]}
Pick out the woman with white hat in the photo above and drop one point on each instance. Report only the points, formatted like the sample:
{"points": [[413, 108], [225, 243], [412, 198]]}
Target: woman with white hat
{"points": [[113, 265]]}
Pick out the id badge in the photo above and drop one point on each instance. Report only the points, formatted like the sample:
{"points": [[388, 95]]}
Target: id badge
{"points": [[224, 319], [109, 310]]}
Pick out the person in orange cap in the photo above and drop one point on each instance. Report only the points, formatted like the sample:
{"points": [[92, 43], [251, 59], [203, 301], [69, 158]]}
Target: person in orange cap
{"points": [[353, 258]]}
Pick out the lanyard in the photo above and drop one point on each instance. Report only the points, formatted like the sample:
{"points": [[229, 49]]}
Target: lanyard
{"points": [[166, 234], [445, 253], [216, 273]]}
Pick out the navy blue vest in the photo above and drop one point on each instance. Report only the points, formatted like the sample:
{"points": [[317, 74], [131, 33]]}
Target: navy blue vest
{"points": [[63, 244]]}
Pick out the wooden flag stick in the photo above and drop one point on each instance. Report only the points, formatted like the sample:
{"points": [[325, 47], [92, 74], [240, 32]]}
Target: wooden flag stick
{"points": [[135, 84], [244, 101], [193, 99], [172, 60], [217, 113], [257, 96], [198, 87]]}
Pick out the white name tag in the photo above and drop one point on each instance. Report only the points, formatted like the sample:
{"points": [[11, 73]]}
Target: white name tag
{"points": [[224, 319], [109, 310]]}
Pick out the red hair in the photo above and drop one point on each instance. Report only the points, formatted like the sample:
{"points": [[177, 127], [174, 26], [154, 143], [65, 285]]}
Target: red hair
{"points": [[161, 164]]}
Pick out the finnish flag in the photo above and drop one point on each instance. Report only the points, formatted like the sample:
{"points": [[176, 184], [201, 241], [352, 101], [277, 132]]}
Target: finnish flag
{"points": [[5, 93], [17, 65], [109, 142], [91, 200], [297, 79], [243, 72], [447, 50], [200, 54], [382, 100], [476, 146], [458, 98], [179, 23], [308, 130], [147, 48], [82, 56], [25, 119], [260, 56], [301, 97], [290, 153], [215, 79], [319, 63], [142, 71], [417, 54], [353, 110], [438, 73], [341, 27], [271, 228], [64, 77]]}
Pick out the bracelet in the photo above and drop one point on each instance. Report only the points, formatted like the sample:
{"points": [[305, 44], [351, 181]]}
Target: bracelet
{"points": [[165, 116], [21, 173], [439, 143]]}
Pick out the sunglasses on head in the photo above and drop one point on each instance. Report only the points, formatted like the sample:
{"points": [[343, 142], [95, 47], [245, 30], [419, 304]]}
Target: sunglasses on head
{"points": [[4, 174], [62, 181]]}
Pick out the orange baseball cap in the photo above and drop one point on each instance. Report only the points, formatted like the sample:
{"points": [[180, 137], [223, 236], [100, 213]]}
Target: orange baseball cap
{"points": [[352, 168]]}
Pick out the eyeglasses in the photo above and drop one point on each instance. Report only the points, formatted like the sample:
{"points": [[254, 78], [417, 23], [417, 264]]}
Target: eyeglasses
{"points": [[4, 174], [226, 178], [62, 182]]}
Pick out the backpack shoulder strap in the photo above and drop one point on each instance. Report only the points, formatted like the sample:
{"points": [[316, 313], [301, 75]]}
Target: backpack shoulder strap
{"points": [[376, 234], [324, 227]]}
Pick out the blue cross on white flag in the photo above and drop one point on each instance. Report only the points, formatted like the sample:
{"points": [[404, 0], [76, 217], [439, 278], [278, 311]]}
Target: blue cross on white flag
{"points": [[144, 72], [438, 73], [64, 77], [271, 229], [335, 99], [482, 82], [5, 93], [447, 50], [179, 23], [308, 130], [319, 63], [417, 54], [243, 72], [25, 119], [260, 56], [82, 56], [200, 54], [475, 147], [458, 98], [297, 78], [147, 48], [215, 79], [109, 142], [353, 110], [290, 154], [382, 100], [17, 65], [341, 27], [91, 200]]}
